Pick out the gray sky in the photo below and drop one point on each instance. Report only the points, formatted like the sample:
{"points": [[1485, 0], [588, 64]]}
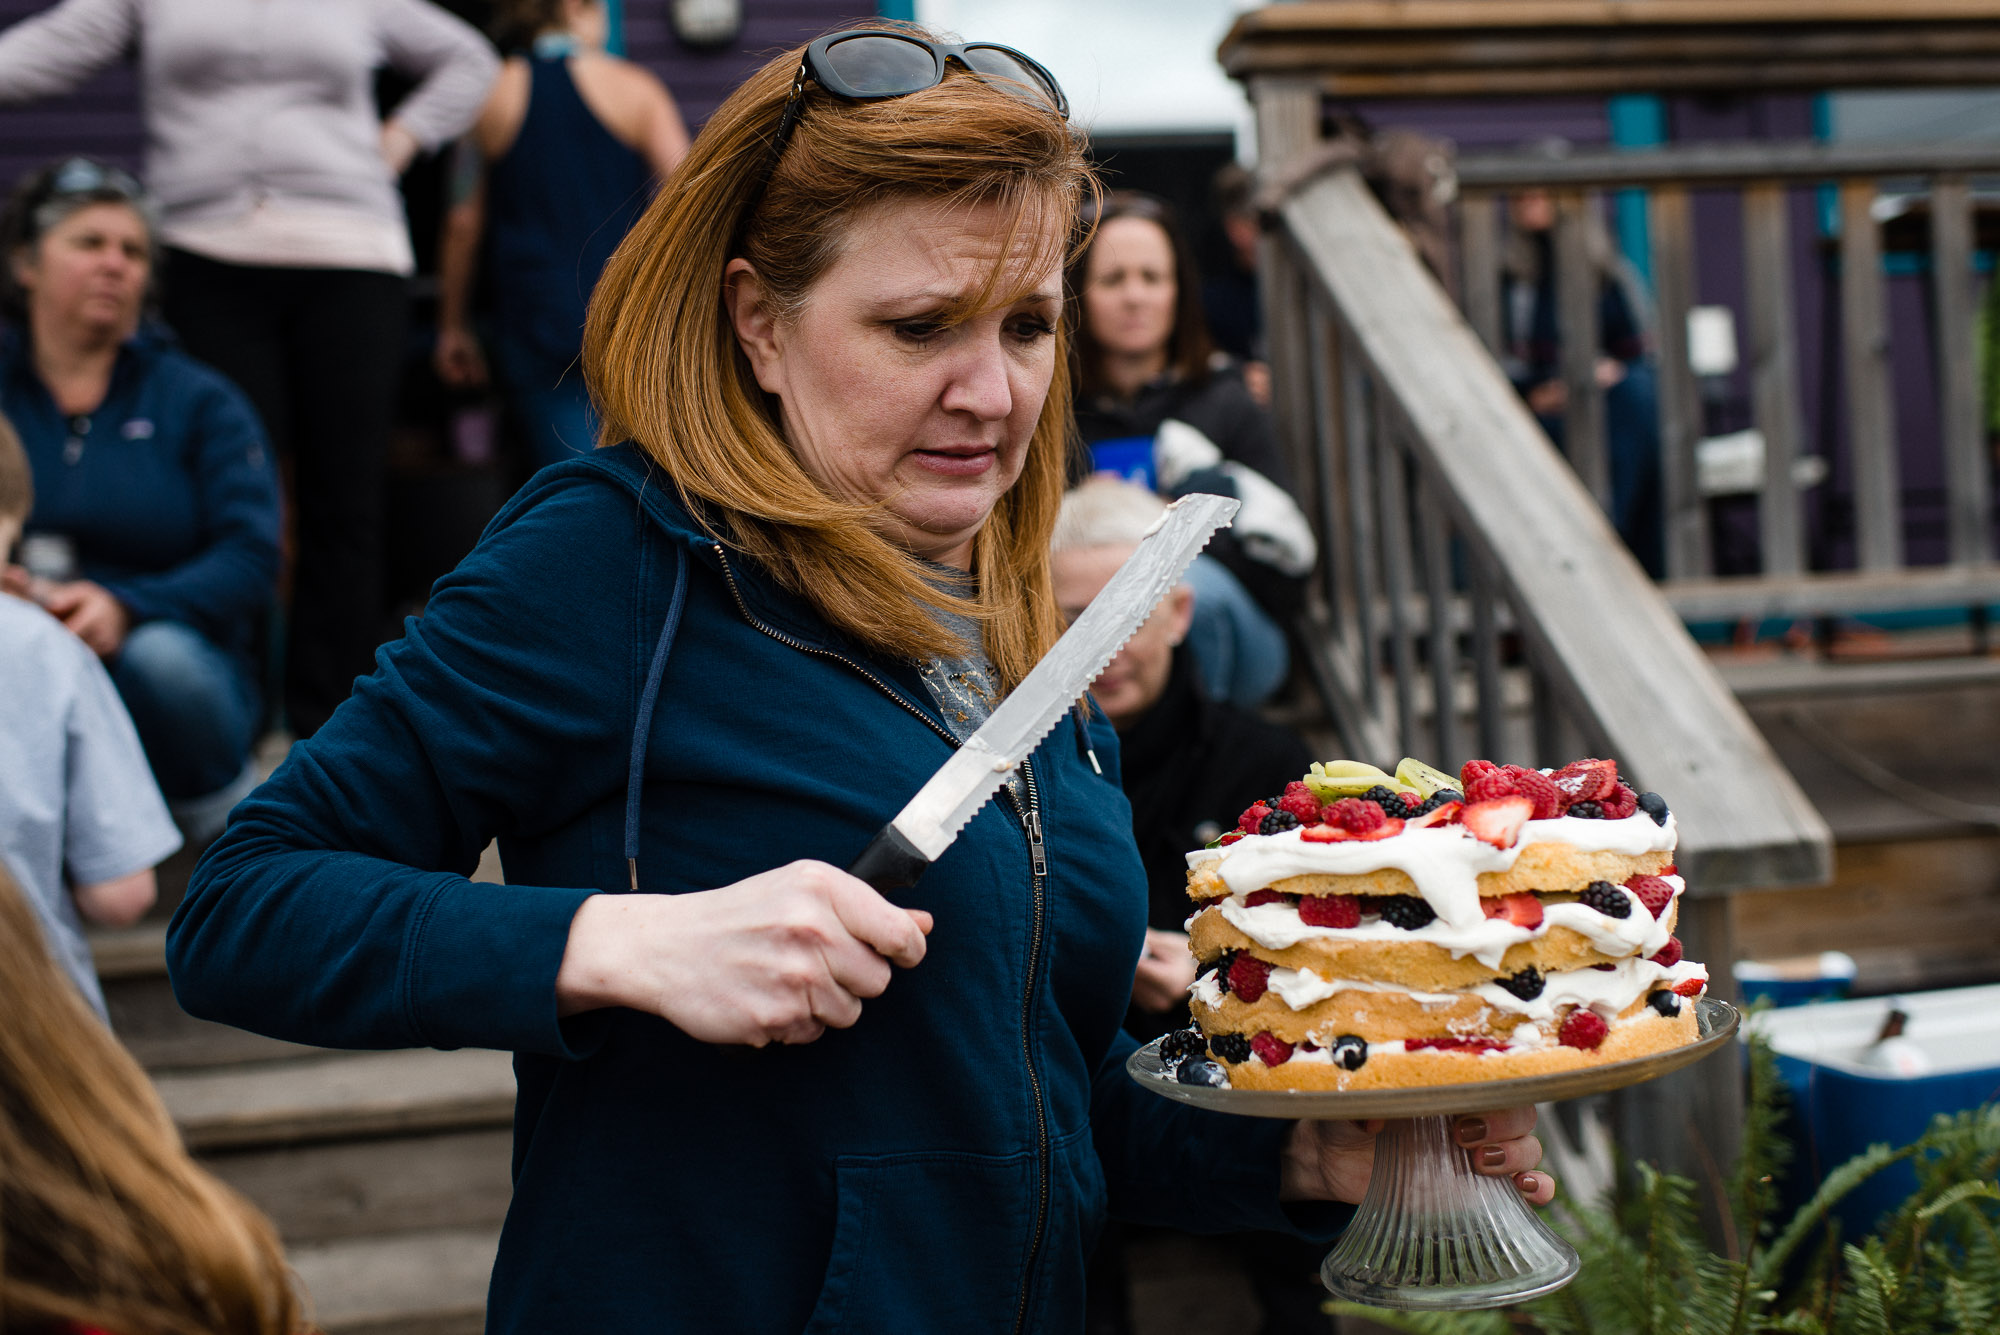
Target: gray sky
{"points": [[1126, 65]]}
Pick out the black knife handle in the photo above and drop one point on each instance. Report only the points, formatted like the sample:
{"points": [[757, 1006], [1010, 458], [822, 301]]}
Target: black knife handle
{"points": [[890, 862]]}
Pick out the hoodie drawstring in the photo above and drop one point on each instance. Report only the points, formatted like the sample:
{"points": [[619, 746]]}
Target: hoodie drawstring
{"points": [[647, 699]]}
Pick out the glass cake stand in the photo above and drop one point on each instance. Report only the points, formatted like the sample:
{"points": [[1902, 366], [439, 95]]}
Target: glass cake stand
{"points": [[1432, 1235]]}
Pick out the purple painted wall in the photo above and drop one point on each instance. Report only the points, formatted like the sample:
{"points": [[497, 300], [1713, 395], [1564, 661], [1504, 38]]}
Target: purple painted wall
{"points": [[101, 118], [700, 80]]}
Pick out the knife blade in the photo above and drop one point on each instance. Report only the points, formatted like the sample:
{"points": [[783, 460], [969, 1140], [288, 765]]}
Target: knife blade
{"points": [[926, 826]]}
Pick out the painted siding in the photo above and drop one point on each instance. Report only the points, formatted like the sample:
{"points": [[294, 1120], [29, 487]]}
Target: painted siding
{"points": [[701, 79], [101, 118]]}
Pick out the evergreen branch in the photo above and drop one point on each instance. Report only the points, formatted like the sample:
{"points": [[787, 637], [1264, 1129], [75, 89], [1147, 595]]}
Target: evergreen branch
{"points": [[1838, 1183], [1964, 1191]]}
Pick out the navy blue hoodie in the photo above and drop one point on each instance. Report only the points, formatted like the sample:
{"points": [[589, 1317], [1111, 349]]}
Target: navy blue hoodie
{"points": [[166, 489], [944, 1165]]}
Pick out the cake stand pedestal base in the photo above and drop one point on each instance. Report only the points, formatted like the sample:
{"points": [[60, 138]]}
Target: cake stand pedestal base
{"points": [[1432, 1235]]}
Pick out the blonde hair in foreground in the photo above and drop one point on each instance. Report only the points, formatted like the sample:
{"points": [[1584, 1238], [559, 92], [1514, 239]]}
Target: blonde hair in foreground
{"points": [[665, 369], [104, 1220]]}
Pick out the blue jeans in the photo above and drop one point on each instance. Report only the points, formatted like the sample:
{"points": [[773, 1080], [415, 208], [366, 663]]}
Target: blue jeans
{"points": [[1241, 651], [194, 704], [549, 398]]}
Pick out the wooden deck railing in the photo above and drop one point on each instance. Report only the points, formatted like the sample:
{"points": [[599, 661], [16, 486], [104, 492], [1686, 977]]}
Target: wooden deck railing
{"points": [[1475, 599], [1765, 176]]}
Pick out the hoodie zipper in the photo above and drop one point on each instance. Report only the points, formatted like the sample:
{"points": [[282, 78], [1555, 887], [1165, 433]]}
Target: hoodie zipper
{"points": [[1038, 859], [1031, 821]]}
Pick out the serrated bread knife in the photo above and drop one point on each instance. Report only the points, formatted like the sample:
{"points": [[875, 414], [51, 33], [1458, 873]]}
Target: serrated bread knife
{"points": [[925, 828]]}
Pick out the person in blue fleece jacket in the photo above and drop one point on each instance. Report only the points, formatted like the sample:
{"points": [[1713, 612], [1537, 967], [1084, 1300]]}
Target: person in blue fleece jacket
{"points": [[156, 505], [683, 680]]}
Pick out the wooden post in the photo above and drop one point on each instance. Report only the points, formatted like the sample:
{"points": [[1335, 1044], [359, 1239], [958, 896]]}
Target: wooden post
{"points": [[1577, 280], [1864, 351], [1322, 485], [1767, 262], [1479, 265], [1686, 514], [1434, 554], [1486, 664], [1965, 464], [1358, 429], [1391, 475], [1288, 116], [1691, 1122]]}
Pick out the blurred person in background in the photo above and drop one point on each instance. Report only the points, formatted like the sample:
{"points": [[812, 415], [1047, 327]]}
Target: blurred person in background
{"points": [[1188, 763], [155, 528], [562, 161], [1156, 404], [107, 1227], [287, 252], [81, 823], [1230, 299], [1531, 339]]}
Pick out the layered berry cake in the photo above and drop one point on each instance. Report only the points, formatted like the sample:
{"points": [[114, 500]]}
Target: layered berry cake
{"points": [[1365, 930]]}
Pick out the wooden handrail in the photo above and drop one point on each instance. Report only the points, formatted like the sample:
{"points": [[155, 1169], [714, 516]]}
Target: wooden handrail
{"points": [[1455, 48], [1609, 650], [1735, 163]]}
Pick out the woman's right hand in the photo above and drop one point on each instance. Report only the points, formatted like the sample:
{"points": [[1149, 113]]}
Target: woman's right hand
{"points": [[778, 957], [457, 358]]}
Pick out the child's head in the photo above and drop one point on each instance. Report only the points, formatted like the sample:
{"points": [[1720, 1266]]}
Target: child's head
{"points": [[108, 1223], [17, 488]]}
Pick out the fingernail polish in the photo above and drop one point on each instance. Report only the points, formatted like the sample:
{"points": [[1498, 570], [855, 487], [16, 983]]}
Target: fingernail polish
{"points": [[1493, 1156], [1471, 1131], [1528, 1183]]}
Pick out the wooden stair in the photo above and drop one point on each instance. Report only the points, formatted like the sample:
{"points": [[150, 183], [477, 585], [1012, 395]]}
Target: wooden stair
{"points": [[1906, 781], [385, 1173]]}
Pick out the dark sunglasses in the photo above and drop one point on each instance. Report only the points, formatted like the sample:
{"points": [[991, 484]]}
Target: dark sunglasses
{"points": [[869, 65]]}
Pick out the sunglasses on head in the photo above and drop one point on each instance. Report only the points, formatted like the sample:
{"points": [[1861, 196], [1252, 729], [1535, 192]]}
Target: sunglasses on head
{"points": [[870, 65], [81, 176]]}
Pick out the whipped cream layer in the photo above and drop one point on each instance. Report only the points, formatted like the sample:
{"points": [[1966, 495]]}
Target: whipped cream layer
{"points": [[1525, 1038], [1445, 861], [1606, 991], [1277, 925]]}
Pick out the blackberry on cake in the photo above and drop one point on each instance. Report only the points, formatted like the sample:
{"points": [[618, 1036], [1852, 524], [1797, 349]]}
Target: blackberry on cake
{"points": [[1418, 927]]}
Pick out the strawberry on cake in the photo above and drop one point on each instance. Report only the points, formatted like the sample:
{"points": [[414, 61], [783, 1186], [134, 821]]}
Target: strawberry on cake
{"points": [[1365, 930]]}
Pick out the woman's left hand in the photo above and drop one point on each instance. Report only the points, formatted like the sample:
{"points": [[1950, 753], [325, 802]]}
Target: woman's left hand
{"points": [[1165, 971], [398, 147], [1332, 1161], [92, 612]]}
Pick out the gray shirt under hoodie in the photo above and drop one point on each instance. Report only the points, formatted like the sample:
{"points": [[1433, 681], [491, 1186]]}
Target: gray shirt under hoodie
{"points": [[262, 101]]}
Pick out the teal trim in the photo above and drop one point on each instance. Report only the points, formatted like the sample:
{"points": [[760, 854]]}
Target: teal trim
{"points": [[614, 27], [1904, 264], [1772, 628], [1827, 195], [1638, 120], [897, 9]]}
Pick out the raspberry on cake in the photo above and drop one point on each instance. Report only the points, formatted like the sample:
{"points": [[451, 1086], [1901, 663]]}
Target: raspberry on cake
{"points": [[1418, 928]]}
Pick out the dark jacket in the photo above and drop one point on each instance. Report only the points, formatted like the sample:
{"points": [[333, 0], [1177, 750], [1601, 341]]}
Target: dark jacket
{"points": [[167, 490], [942, 1166], [1220, 407], [1188, 762]]}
